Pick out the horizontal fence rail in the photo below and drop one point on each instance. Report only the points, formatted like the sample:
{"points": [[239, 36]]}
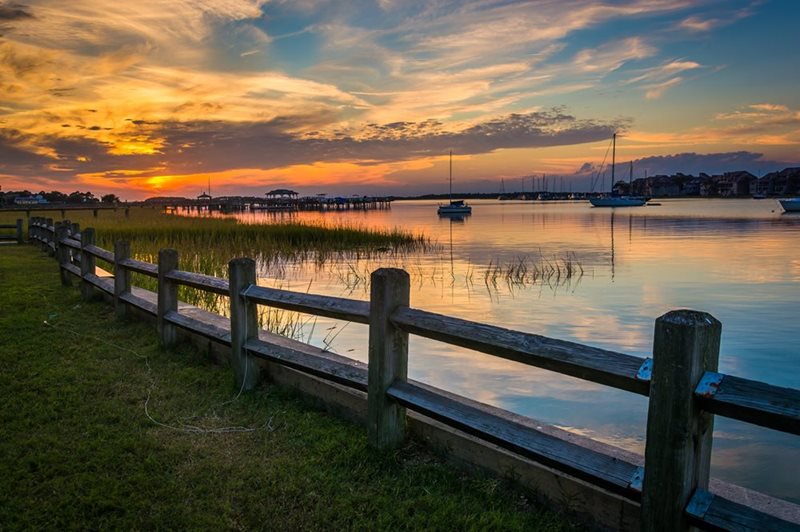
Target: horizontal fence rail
{"points": [[200, 281], [754, 402], [610, 473], [588, 363], [685, 390], [330, 307]]}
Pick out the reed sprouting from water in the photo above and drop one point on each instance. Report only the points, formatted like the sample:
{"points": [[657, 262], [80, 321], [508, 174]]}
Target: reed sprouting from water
{"points": [[557, 271], [529, 270]]}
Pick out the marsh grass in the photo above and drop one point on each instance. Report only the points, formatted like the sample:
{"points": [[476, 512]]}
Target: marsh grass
{"points": [[206, 245]]}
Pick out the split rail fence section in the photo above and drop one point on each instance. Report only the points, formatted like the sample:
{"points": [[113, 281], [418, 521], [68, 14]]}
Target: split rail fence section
{"points": [[684, 387], [17, 234]]}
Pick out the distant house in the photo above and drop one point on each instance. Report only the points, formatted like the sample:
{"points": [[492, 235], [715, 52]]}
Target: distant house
{"points": [[787, 181], [621, 188], [662, 186], [694, 187], [38, 199]]}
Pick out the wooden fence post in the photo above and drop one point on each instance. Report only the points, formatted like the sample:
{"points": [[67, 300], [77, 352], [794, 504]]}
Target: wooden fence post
{"points": [[244, 322], [388, 357], [167, 296], [122, 277], [87, 264], [679, 434], [51, 237], [62, 253], [19, 230], [44, 234], [74, 233]]}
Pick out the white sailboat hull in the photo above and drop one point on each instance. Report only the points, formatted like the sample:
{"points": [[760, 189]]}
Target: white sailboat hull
{"points": [[618, 201], [454, 209]]}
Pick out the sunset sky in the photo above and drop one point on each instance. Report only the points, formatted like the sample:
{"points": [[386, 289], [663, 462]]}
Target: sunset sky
{"points": [[156, 97]]}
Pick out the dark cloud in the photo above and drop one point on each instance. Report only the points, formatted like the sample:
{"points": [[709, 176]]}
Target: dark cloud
{"points": [[15, 158], [710, 163], [210, 146], [9, 11], [73, 155]]}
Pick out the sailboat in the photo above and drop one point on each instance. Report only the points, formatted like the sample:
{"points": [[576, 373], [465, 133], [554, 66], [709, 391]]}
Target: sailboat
{"points": [[617, 201], [454, 207]]}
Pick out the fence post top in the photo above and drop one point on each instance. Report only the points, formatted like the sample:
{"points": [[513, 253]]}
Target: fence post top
{"points": [[689, 318], [390, 272], [241, 261], [167, 252]]}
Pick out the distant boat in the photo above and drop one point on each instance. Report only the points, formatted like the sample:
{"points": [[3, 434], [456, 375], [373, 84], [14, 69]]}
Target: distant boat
{"points": [[790, 204], [612, 200], [454, 207], [618, 201]]}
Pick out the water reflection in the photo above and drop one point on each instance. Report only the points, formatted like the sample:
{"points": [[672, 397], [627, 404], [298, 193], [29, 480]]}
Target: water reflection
{"points": [[736, 259]]}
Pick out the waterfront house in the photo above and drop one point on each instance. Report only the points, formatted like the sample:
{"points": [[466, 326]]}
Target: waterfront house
{"points": [[38, 199], [660, 186]]}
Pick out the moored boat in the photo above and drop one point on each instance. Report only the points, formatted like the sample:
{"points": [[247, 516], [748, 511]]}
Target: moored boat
{"points": [[454, 207], [790, 204], [457, 207], [617, 201]]}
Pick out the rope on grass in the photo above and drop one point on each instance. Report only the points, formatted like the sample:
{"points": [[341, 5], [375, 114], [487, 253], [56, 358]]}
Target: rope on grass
{"points": [[191, 429]]}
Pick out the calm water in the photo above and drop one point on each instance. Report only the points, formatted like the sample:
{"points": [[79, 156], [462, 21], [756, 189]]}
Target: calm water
{"points": [[737, 259]]}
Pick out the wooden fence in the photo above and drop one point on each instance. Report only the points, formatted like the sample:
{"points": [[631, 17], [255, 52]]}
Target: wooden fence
{"points": [[17, 235], [684, 388]]}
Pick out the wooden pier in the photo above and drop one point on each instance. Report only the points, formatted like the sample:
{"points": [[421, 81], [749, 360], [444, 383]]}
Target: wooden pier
{"points": [[253, 204]]}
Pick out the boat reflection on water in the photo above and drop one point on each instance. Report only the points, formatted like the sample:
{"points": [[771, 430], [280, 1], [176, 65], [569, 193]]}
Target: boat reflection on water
{"points": [[454, 217]]}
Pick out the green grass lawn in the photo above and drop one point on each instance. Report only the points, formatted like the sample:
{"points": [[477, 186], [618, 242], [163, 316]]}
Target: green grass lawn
{"points": [[102, 429]]}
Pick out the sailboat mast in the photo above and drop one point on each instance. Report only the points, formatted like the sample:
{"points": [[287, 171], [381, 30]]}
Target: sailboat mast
{"points": [[613, 157], [451, 175]]}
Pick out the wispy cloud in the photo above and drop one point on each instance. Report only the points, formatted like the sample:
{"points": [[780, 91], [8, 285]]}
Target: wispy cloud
{"points": [[706, 23], [657, 90]]}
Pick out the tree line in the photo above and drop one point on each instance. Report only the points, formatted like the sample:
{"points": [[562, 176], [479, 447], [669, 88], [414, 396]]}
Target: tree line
{"points": [[55, 196]]}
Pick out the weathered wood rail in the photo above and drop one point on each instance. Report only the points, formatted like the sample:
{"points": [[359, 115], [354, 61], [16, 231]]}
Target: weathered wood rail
{"points": [[684, 388], [64, 208], [16, 235]]}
